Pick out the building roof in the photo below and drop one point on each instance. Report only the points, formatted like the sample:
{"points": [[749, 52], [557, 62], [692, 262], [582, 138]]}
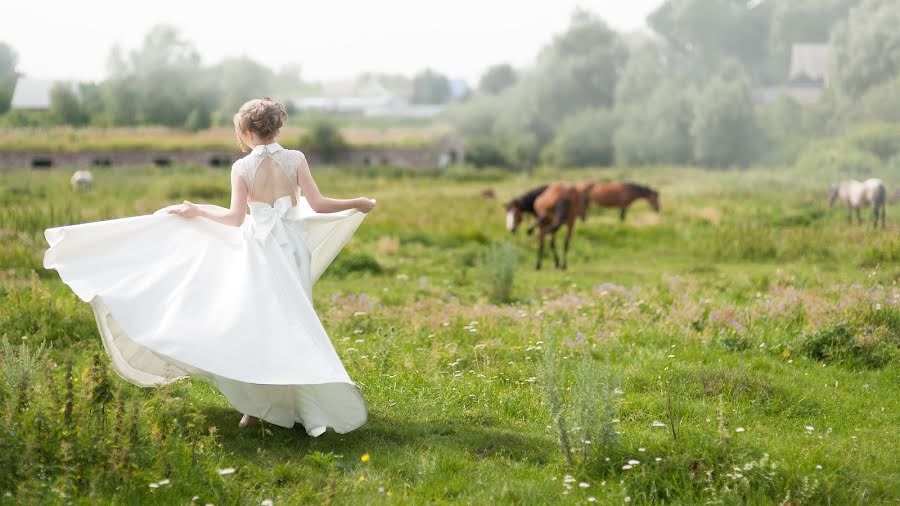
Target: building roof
{"points": [[809, 63]]}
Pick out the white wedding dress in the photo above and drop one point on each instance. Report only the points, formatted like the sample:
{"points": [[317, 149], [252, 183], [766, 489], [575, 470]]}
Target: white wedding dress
{"points": [[176, 297]]}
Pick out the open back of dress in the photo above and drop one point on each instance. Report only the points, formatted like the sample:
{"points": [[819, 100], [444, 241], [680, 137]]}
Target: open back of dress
{"points": [[272, 181], [270, 173]]}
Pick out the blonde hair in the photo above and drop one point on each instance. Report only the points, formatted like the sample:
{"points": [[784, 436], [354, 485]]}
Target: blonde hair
{"points": [[262, 117]]}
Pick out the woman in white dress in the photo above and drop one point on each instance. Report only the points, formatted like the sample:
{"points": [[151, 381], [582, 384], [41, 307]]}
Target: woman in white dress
{"points": [[200, 290]]}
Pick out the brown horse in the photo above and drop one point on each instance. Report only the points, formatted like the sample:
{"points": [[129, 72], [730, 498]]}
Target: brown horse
{"points": [[619, 195], [559, 204], [517, 207]]}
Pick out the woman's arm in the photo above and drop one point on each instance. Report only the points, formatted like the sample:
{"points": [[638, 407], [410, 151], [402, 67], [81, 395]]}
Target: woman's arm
{"points": [[233, 216], [322, 204]]}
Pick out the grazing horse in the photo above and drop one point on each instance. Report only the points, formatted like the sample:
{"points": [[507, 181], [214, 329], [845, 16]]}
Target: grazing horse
{"points": [[82, 180], [517, 207], [854, 194], [558, 204], [619, 195]]}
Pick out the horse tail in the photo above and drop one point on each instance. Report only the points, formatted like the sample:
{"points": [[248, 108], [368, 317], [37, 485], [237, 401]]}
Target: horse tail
{"points": [[560, 213]]}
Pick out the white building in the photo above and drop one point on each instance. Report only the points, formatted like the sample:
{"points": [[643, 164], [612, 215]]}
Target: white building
{"points": [[34, 94], [807, 76]]}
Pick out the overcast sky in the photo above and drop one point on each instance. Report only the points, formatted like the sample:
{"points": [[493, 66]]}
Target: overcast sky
{"points": [[329, 39]]}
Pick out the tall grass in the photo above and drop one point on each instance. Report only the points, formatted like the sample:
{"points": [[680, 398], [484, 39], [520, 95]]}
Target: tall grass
{"points": [[500, 264]]}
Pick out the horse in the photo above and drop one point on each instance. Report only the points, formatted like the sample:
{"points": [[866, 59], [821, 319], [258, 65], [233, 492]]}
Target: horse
{"points": [[82, 180], [619, 195], [854, 194], [553, 205], [517, 207]]}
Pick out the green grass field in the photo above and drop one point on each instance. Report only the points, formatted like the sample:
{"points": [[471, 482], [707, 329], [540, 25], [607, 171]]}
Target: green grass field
{"points": [[742, 346]]}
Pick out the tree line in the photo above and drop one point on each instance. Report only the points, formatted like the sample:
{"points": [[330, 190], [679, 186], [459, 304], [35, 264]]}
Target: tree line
{"points": [[685, 94], [164, 82]]}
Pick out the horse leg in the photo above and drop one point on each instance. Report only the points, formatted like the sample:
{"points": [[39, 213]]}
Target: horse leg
{"points": [[553, 248], [571, 225], [849, 215], [540, 248], [859, 220], [622, 214]]}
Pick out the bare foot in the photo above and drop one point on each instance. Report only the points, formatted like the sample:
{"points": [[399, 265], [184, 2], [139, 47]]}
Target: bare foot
{"points": [[247, 421]]}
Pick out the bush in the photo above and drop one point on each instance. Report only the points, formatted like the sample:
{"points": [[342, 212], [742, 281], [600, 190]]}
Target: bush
{"points": [[325, 139], [837, 159], [500, 262], [484, 153], [724, 129], [844, 344], [583, 139], [882, 140], [658, 131], [349, 263]]}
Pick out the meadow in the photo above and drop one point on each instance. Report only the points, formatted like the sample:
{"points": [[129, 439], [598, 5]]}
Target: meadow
{"points": [[740, 347]]}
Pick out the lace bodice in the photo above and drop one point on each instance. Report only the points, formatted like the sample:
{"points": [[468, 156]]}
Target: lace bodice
{"points": [[270, 172]]}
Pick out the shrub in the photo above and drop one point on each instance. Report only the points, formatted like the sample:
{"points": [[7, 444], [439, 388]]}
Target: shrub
{"points": [[324, 138], [349, 263], [881, 140], [484, 153], [725, 129], [500, 262], [837, 159], [583, 139], [845, 344], [658, 131], [582, 405]]}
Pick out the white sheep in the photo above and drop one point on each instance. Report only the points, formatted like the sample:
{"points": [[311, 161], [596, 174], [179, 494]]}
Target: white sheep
{"points": [[82, 180]]}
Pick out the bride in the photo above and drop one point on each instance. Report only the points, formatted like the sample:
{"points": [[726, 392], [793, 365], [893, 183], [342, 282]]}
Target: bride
{"points": [[200, 290]]}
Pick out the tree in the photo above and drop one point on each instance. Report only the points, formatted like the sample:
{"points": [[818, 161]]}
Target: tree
{"points": [[866, 47], [325, 139], [497, 78], [643, 72], [583, 139], [724, 128], [238, 80], [579, 69], [429, 87], [657, 130], [801, 21], [161, 83], [8, 75], [65, 105], [705, 32]]}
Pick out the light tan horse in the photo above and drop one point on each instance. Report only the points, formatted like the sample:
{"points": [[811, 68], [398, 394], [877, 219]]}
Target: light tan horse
{"points": [[854, 194]]}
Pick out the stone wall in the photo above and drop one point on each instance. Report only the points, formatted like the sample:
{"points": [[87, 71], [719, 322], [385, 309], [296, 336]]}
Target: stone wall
{"points": [[429, 157]]}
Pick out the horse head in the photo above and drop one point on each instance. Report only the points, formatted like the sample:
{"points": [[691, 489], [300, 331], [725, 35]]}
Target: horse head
{"points": [[514, 214], [833, 193], [653, 198]]}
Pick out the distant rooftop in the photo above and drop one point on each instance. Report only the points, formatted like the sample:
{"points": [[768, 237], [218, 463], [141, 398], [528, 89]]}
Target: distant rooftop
{"points": [[809, 63]]}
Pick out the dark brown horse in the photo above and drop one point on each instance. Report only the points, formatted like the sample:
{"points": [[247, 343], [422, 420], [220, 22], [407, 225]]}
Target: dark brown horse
{"points": [[553, 206], [619, 195], [519, 206]]}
